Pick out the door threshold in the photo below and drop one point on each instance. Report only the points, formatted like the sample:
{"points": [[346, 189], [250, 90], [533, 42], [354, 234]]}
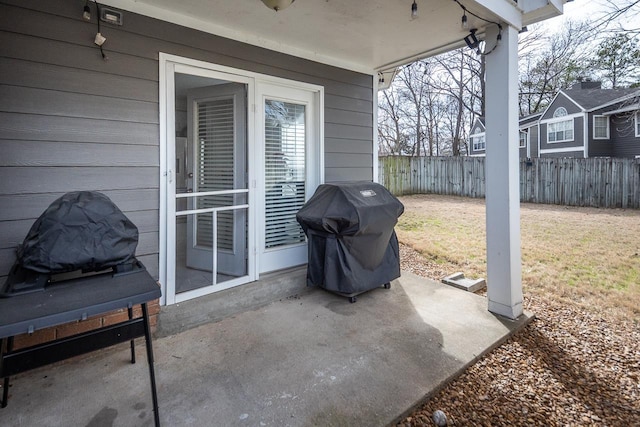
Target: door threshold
{"points": [[220, 305]]}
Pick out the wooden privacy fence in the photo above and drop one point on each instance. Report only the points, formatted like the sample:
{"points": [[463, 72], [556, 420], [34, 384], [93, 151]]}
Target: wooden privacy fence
{"points": [[596, 182]]}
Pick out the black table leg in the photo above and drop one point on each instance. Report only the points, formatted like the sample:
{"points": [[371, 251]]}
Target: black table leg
{"points": [[152, 375], [5, 385], [133, 345]]}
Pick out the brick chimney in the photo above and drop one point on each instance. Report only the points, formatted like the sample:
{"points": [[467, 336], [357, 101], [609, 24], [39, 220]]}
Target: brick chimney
{"points": [[588, 83]]}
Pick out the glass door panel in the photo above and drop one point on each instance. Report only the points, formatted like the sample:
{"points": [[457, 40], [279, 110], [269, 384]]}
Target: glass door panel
{"points": [[211, 190], [289, 135], [285, 175]]}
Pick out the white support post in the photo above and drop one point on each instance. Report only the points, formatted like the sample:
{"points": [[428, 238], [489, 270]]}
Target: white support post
{"points": [[504, 270]]}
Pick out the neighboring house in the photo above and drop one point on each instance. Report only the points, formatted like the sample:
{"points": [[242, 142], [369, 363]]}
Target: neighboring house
{"points": [[528, 131], [222, 112], [584, 121]]}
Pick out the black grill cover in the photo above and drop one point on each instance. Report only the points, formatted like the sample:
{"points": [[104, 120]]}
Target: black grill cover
{"points": [[352, 244], [82, 230]]}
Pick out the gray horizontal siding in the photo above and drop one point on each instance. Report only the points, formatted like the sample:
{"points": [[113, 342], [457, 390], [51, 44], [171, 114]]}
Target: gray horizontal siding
{"points": [[624, 141], [35, 127], [346, 160], [576, 154], [53, 153], [348, 117], [70, 121], [523, 152], [354, 146], [347, 174], [55, 103], [578, 136], [347, 104], [30, 206], [332, 130], [48, 51], [24, 180], [561, 101], [18, 72], [533, 140]]}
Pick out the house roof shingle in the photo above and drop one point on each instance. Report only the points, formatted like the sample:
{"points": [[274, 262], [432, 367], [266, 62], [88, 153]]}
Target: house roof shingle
{"points": [[591, 98]]}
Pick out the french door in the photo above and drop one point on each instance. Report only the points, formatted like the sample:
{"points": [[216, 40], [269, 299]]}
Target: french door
{"points": [[289, 137], [209, 203], [242, 154]]}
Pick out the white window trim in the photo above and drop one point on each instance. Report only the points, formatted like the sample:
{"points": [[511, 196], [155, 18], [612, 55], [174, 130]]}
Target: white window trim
{"points": [[526, 139], [475, 135], [637, 124], [560, 112], [561, 119], [594, 127], [573, 130], [562, 150]]}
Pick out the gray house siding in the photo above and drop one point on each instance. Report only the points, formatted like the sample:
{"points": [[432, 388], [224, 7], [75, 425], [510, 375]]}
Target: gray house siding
{"points": [[626, 144], [560, 101], [601, 147], [576, 154], [578, 128], [533, 140], [71, 121], [622, 141], [578, 136]]}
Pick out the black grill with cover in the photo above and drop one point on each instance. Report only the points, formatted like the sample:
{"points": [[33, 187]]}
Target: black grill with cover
{"points": [[353, 247], [83, 232]]}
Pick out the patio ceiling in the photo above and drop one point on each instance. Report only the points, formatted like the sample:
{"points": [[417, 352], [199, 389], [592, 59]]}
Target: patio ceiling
{"points": [[361, 35]]}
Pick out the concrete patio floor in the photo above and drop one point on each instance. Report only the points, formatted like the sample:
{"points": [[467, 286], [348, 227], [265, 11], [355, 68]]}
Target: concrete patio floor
{"points": [[309, 360]]}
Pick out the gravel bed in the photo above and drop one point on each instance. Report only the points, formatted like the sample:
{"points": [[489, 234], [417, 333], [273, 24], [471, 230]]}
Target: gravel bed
{"points": [[566, 368]]}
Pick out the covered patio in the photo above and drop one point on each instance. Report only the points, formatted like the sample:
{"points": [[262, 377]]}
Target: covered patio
{"points": [[311, 359], [78, 115]]}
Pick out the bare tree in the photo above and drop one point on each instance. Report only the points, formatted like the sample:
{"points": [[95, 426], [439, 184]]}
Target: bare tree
{"points": [[462, 81], [544, 73], [413, 90], [390, 127], [620, 16]]}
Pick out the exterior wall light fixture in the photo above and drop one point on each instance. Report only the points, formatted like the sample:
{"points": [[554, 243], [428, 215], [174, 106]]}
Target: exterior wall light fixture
{"points": [[277, 5]]}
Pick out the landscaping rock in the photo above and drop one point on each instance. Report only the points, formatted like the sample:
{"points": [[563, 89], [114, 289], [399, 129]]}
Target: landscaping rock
{"points": [[569, 367]]}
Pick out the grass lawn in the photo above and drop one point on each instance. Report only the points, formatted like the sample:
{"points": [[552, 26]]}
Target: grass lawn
{"points": [[588, 256]]}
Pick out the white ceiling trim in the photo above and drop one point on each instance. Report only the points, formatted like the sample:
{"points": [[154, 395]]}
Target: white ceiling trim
{"points": [[211, 28], [507, 10]]}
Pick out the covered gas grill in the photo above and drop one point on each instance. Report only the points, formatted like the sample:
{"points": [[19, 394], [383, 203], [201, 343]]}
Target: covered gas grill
{"points": [[353, 247], [77, 261]]}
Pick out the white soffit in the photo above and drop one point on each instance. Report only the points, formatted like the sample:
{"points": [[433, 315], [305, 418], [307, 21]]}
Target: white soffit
{"points": [[361, 35]]}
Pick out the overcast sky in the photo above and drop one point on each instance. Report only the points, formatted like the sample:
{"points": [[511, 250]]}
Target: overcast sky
{"points": [[583, 10]]}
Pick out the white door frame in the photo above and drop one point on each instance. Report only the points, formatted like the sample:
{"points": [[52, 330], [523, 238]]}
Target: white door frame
{"points": [[168, 66]]}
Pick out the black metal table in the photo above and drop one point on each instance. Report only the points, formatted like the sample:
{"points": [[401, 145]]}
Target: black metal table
{"points": [[70, 301]]}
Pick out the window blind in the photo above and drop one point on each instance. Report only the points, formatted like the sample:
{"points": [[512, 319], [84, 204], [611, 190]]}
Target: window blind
{"points": [[214, 168], [285, 174]]}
